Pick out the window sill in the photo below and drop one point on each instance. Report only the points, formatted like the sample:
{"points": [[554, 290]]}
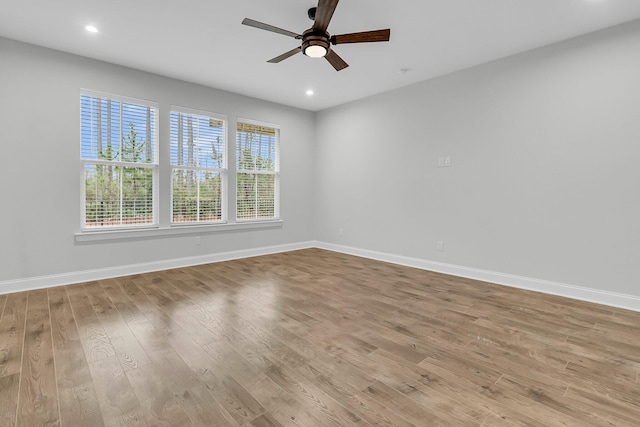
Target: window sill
{"points": [[176, 230]]}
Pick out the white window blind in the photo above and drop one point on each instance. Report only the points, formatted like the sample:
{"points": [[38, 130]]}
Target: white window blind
{"points": [[258, 171], [119, 161], [199, 172]]}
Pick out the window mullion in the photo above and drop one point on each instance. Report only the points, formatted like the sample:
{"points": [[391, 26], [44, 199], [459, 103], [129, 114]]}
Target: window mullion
{"points": [[257, 196], [121, 194], [197, 196]]}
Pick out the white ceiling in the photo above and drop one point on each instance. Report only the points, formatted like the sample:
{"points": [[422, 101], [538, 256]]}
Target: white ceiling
{"points": [[202, 41]]}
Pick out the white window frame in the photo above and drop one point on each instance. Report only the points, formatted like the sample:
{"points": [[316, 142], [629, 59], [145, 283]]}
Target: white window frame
{"points": [[224, 171], [276, 172], [155, 166], [162, 170]]}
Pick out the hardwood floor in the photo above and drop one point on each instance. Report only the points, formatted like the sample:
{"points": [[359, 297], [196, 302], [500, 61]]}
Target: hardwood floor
{"points": [[313, 338]]}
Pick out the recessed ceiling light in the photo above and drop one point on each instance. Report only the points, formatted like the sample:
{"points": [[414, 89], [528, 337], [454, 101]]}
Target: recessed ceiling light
{"points": [[91, 28], [309, 92]]}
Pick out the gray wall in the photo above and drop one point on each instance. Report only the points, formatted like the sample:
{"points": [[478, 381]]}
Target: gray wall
{"points": [[545, 174], [40, 175]]}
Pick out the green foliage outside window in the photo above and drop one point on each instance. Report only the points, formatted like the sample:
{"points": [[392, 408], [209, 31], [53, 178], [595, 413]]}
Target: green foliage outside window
{"points": [[118, 195]]}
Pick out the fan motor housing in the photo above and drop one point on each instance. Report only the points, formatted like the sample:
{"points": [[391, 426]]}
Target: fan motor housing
{"points": [[311, 38]]}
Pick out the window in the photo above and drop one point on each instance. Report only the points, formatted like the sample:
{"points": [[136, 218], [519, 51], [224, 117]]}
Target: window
{"points": [[122, 180], [198, 160], [258, 171], [119, 161]]}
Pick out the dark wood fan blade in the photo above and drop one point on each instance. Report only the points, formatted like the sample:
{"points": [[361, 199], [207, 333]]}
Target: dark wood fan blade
{"points": [[324, 12], [363, 37], [263, 26], [335, 60], [284, 56]]}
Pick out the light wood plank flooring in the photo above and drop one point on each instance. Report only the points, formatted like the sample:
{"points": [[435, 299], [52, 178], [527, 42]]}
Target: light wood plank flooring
{"points": [[313, 338]]}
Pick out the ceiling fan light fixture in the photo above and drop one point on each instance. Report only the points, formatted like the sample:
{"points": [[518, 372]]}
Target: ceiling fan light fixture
{"points": [[315, 51], [316, 41], [315, 45]]}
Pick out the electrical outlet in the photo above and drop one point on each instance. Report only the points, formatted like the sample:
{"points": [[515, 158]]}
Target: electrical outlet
{"points": [[440, 162], [447, 161], [440, 246]]}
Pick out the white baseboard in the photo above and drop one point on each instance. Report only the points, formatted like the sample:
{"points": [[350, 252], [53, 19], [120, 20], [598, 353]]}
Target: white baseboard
{"points": [[629, 302], [31, 283]]}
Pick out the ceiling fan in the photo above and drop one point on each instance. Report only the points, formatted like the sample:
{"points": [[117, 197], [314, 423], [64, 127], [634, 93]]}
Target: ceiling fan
{"points": [[316, 41]]}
